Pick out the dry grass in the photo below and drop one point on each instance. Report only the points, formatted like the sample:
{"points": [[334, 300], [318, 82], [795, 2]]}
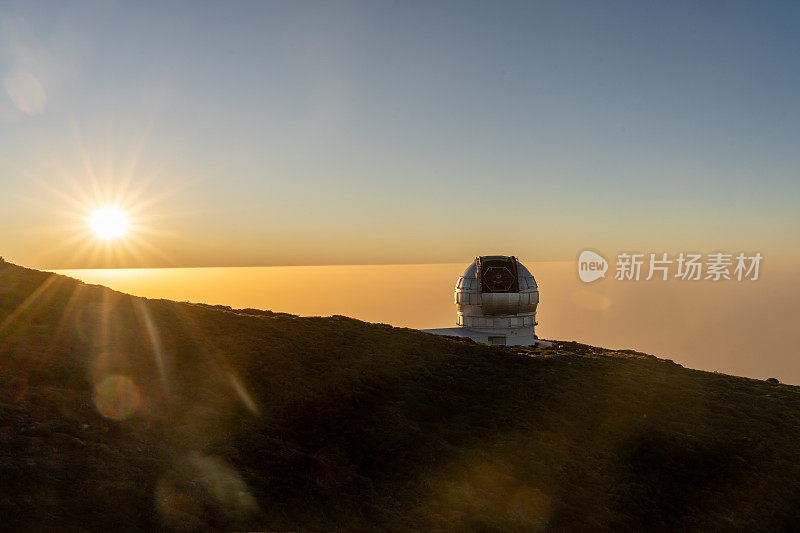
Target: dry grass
{"points": [[246, 419]]}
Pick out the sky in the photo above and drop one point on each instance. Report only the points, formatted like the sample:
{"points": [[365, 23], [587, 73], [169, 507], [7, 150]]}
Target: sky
{"points": [[314, 133]]}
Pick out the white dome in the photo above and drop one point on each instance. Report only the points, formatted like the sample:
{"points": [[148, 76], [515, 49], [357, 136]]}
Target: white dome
{"points": [[496, 291]]}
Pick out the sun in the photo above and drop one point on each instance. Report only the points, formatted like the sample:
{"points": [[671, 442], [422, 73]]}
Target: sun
{"points": [[108, 223]]}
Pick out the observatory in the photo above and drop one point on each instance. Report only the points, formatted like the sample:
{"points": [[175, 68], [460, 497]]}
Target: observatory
{"points": [[496, 299]]}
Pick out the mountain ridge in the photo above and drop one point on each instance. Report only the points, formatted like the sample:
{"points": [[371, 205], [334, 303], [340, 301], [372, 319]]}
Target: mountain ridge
{"points": [[123, 412]]}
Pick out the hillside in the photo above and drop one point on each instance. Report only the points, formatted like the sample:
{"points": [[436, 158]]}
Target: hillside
{"points": [[119, 412]]}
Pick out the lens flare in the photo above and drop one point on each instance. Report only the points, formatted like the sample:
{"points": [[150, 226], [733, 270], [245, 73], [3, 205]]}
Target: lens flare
{"points": [[27, 92], [117, 397]]}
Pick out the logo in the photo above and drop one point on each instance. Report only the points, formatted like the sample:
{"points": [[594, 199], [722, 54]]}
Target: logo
{"points": [[685, 266], [591, 266]]}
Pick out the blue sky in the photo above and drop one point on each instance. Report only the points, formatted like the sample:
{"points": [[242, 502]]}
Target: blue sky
{"points": [[339, 132]]}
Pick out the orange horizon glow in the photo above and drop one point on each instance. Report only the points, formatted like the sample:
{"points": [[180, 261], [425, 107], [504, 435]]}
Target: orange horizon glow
{"points": [[704, 325]]}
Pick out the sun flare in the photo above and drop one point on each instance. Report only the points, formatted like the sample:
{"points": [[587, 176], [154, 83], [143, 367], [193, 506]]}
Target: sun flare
{"points": [[108, 223]]}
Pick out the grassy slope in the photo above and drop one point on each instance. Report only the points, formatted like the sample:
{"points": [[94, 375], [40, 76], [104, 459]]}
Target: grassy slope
{"points": [[260, 420]]}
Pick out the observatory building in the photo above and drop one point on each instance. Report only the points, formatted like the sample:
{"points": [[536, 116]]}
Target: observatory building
{"points": [[496, 299]]}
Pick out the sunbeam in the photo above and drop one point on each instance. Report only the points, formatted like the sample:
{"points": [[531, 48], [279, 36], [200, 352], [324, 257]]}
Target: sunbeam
{"points": [[28, 302], [145, 319]]}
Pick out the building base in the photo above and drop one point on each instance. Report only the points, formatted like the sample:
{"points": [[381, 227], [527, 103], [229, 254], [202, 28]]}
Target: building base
{"points": [[499, 336]]}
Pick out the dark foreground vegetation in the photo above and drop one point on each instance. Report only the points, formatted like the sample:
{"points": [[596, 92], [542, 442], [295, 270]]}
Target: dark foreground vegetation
{"points": [[121, 413]]}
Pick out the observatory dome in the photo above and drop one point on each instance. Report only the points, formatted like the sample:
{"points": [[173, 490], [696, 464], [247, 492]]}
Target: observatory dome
{"points": [[496, 291], [496, 298]]}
